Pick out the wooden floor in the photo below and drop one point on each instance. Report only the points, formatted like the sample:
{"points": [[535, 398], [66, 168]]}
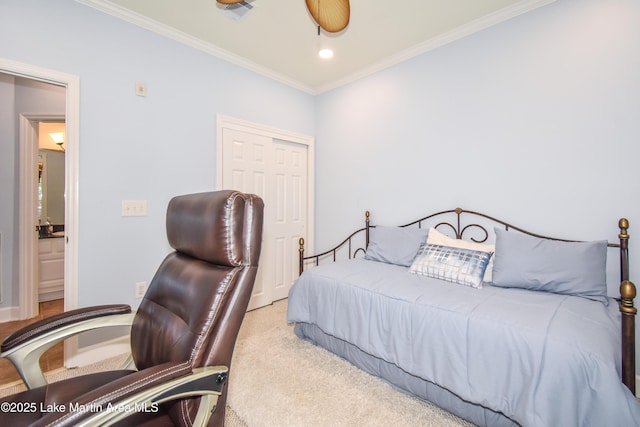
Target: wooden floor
{"points": [[50, 360]]}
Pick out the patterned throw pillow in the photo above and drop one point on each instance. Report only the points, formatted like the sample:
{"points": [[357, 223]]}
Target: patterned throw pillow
{"points": [[458, 265], [437, 238]]}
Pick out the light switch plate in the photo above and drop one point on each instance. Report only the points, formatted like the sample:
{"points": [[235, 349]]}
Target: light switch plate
{"points": [[134, 208]]}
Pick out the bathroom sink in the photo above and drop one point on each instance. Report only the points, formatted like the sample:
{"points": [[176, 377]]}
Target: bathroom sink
{"points": [[57, 234]]}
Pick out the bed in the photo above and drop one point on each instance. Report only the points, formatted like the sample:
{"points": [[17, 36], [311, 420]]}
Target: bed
{"points": [[486, 320]]}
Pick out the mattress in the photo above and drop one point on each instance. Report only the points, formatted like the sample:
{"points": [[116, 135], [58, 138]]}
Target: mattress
{"points": [[536, 358]]}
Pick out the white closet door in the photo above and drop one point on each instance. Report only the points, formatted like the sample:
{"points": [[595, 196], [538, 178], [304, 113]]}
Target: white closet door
{"points": [[276, 171], [289, 221]]}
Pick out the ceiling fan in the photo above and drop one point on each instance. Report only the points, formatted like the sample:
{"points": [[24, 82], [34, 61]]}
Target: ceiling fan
{"points": [[330, 15]]}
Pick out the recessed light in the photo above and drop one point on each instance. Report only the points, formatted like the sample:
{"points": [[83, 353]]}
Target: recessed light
{"points": [[325, 53]]}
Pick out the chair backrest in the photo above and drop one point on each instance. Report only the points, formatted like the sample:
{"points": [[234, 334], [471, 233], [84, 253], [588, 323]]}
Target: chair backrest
{"points": [[194, 306]]}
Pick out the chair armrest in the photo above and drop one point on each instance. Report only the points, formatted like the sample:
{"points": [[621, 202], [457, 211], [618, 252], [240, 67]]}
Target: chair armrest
{"points": [[25, 347], [144, 391], [67, 318]]}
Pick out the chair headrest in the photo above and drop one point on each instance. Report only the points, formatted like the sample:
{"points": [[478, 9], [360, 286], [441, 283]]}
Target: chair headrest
{"points": [[215, 227]]}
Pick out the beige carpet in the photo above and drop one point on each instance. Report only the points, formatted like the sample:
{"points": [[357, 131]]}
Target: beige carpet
{"points": [[279, 380]]}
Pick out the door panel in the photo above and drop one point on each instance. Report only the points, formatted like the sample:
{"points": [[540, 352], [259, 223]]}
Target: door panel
{"points": [[245, 166], [291, 200], [275, 170]]}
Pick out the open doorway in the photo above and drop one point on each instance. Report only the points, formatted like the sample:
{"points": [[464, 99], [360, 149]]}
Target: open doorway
{"points": [[19, 290], [41, 167], [50, 213]]}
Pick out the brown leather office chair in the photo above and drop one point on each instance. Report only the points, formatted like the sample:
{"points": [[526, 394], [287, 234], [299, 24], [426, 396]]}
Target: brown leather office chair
{"points": [[182, 335]]}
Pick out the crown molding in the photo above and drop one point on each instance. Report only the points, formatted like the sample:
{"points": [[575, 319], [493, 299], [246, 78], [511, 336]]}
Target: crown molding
{"points": [[458, 33], [441, 40], [190, 41]]}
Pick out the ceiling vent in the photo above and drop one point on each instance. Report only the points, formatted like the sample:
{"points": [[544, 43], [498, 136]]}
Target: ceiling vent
{"points": [[236, 11]]}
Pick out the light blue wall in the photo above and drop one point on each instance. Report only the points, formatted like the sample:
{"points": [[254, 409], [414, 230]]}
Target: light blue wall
{"points": [[132, 147], [535, 120]]}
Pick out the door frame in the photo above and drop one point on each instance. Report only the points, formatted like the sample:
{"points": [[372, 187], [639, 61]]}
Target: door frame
{"points": [[28, 199], [227, 122], [27, 294]]}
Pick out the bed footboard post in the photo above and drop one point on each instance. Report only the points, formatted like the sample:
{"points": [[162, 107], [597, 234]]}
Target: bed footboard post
{"points": [[301, 256], [623, 224], [627, 294], [628, 311], [366, 226]]}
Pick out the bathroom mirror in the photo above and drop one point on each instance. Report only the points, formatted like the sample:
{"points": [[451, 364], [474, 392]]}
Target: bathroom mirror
{"points": [[51, 166]]}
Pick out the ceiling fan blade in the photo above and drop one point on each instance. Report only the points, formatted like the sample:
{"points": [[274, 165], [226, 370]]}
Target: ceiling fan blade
{"points": [[331, 15], [229, 1]]}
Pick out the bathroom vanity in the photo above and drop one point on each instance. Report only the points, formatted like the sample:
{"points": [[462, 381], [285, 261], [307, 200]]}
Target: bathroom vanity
{"points": [[51, 267]]}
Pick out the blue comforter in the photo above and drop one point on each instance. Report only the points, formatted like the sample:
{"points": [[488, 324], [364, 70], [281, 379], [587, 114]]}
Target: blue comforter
{"points": [[541, 359]]}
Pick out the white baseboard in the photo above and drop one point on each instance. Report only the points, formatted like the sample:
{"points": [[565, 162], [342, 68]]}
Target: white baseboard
{"points": [[50, 296], [97, 352], [9, 314]]}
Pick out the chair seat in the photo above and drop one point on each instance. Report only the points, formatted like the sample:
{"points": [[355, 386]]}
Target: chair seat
{"points": [[44, 399], [147, 419]]}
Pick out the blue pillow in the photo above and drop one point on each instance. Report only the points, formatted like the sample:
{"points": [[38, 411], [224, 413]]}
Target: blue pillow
{"points": [[569, 268], [458, 265], [395, 245]]}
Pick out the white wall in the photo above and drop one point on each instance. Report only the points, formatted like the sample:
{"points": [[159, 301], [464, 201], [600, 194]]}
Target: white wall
{"points": [[535, 121], [132, 147]]}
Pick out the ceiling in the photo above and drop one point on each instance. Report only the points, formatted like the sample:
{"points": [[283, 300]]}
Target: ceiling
{"points": [[278, 38]]}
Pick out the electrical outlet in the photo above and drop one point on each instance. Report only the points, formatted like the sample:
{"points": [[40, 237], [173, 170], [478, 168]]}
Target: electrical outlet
{"points": [[134, 208], [141, 289]]}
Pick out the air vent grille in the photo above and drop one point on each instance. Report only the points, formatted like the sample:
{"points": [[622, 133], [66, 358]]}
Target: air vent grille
{"points": [[236, 11]]}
